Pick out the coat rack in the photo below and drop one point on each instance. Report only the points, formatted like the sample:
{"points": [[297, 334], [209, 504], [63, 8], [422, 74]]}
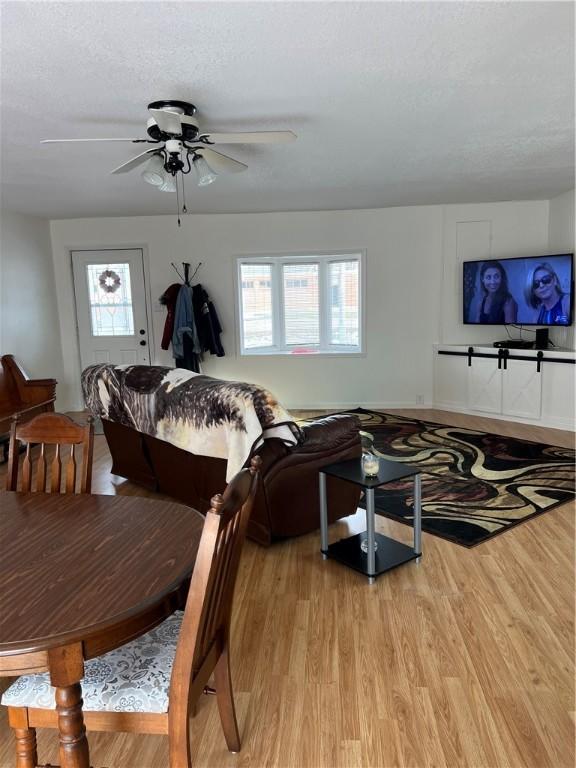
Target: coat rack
{"points": [[186, 267]]}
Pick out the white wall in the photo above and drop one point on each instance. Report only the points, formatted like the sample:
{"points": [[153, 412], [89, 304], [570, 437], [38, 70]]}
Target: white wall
{"points": [[487, 231], [414, 292], [29, 326], [561, 237], [404, 258]]}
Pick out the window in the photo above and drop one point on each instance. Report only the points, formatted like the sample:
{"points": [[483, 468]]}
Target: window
{"points": [[300, 304], [256, 305], [110, 297]]}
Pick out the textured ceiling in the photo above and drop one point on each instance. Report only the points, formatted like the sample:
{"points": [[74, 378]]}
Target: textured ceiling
{"points": [[393, 103]]}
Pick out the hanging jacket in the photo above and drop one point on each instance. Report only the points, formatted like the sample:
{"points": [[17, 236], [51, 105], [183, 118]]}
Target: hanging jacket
{"points": [[216, 347], [168, 298], [184, 323], [207, 322], [190, 359]]}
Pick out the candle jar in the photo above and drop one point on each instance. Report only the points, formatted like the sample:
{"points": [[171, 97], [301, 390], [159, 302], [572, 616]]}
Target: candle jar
{"points": [[364, 546], [370, 464]]}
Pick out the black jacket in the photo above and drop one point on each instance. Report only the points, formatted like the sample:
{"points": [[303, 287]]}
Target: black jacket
{"points": [[207, 322]]}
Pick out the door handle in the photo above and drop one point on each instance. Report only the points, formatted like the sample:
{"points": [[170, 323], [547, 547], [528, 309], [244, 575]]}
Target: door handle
{"points": [[142, 343], [142, 331]]}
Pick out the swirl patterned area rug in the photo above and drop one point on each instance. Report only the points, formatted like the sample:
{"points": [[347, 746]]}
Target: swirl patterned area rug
{"points": [[475, 485]]}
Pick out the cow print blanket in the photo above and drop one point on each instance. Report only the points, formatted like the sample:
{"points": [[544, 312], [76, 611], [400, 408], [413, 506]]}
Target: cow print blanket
{"points": [[206, 416]]}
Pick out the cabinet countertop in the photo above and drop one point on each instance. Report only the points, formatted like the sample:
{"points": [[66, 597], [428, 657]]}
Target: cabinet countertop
{"points": [[554, 352]]}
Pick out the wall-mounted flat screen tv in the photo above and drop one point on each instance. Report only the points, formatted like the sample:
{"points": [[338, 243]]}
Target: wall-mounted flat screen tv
{"points": [[537, 290]]}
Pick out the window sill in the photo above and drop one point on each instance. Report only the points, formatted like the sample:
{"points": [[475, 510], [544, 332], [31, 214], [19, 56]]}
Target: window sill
{"points": [[303, 355]]}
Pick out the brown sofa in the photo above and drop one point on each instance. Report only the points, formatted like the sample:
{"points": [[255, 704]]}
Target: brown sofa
{"points": [[287, 502]]}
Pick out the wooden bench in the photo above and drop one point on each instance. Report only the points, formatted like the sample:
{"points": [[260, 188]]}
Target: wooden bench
{"points": [[21, 395]]}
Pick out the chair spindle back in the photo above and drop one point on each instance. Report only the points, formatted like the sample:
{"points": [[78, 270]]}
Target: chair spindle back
{"points": [[50, 429], [205, 626]]}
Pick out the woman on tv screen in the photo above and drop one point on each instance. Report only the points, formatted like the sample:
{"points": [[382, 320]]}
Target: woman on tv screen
{"points": [[543, 292], [498, 304]]}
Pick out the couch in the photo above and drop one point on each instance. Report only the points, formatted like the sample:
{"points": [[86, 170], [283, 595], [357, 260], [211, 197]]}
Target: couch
{"points": [[185, 434], [287, 503]]}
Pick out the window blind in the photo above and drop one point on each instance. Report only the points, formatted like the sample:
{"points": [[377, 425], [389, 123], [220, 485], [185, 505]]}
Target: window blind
{"points": [[301, 304], [257, 326], [344, 298]]}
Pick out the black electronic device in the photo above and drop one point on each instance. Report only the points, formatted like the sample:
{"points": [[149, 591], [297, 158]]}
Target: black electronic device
{"points": [[542, 339], [514, 344], [532, 290]]}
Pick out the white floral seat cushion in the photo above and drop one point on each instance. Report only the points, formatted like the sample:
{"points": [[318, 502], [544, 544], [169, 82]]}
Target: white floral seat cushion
{"points": [[132, 678]]}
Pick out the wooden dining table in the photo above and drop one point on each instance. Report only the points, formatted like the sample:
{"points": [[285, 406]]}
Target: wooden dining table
{"points": [[81, 575]]}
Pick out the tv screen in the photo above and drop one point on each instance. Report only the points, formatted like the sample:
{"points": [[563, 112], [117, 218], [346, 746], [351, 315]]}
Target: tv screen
{"points": [[537, 290]]}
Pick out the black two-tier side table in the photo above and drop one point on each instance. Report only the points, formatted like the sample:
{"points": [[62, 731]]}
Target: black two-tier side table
{"points": [[369, 552]]}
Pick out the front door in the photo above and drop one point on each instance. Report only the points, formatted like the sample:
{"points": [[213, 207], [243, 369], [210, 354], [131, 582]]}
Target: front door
{"points": [[111, 306]]}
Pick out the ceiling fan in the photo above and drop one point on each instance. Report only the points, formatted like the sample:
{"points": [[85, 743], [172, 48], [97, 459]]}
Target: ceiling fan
{"points": [[180, 145]]}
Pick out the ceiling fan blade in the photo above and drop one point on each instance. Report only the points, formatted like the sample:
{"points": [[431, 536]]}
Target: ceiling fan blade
{"points": [[168, 122], [67, 141], [220, 163], [257, 137], [135, 161]]}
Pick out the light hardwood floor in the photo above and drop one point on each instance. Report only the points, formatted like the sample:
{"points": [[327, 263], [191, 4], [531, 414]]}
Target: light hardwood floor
{"points": [[463, 660]]}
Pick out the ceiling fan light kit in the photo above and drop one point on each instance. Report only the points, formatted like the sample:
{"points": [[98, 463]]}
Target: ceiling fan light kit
{"points": [[205, 174], [168, 185], [153, 171], [173, 126]]}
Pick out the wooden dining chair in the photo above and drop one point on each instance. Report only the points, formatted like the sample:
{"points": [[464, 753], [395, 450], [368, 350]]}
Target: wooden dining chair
{"points": [[50, 429], [152, 684]]}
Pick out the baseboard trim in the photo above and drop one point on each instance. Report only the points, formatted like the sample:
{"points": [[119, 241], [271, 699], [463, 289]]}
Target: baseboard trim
{"points": [[340, 406], [564, 424]]}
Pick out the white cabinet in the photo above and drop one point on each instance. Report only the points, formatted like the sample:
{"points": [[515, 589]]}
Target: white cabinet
{"points": [[484, 386], [522, 389], [558, 397], [515, 390]]}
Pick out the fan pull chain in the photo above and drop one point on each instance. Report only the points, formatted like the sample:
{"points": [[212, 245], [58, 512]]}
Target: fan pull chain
{"points": [[178, 202], [184, 209]]}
